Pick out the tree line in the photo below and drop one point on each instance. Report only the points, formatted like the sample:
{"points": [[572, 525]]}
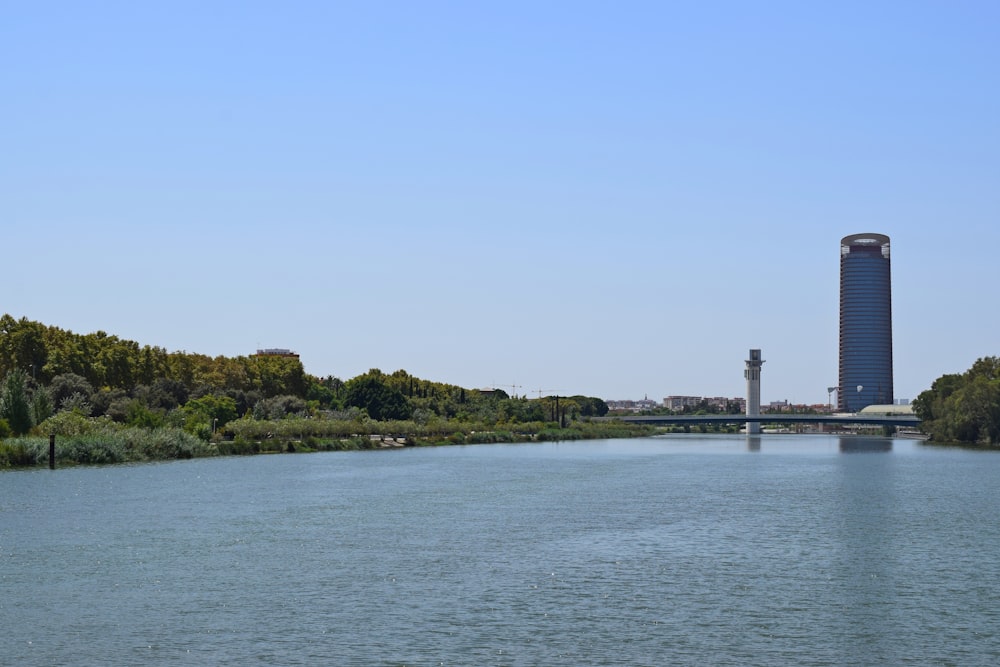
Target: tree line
{"points": [[54, 377], [963, 407]]}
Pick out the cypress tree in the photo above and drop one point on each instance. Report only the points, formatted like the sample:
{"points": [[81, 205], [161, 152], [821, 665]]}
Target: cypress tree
{"points": [[14, 404]]}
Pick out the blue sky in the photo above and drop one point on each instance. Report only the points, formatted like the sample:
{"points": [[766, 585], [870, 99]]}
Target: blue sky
{"points": [[613, 199]]}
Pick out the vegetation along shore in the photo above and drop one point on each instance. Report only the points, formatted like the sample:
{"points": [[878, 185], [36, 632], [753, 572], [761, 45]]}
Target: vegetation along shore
{"points": [[110, 400]]}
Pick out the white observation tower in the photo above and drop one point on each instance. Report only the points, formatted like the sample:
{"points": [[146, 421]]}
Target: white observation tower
{"points": [[752, 374]]}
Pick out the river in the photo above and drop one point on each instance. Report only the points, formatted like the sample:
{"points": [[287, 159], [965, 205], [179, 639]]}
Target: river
{"points": [[683, 550]]}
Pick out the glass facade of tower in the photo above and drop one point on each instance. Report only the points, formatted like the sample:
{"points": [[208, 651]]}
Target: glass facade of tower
{"points": [[865, 322]]}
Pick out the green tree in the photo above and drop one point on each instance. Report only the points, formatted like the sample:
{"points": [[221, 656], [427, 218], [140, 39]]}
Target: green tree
{"points": [[214, 410], [373, 393], [15, 405], [963, 408], [279, 407], [591, 406], [77, 403], [65, 385], [140, 415], [104, 398], [41, 405], [22, 345], [324, 392], [276, 376], [164, 393]]}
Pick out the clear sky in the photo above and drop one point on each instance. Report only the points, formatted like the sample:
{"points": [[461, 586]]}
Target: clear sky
{"points": [[616, 199]]}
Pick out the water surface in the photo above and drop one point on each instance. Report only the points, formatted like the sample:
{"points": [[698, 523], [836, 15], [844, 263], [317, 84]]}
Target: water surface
{"points": [[783, 550]]}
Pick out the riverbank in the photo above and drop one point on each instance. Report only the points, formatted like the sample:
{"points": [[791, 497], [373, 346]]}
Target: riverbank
{"points": [[110, 444]]}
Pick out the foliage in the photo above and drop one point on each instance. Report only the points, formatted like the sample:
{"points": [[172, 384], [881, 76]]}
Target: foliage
{"points": [[72, 423], [590, 406], [325, 392], [141, 416], [108, 373], [376, 395], [69, 363], [247, 404], [41, 405], [210, 410], [15, 405], [16, 454], [77, 402], [108, 401], [963, 408], [67, 384], [279, 407], [106, 443], [163, 393]]}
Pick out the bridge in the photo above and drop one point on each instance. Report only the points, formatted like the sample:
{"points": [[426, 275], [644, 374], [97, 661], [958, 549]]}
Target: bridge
{"points": [[776, 418], [754, 419]]}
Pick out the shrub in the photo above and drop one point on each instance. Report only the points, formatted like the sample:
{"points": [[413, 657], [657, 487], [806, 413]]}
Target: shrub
{"points": [[73, 423], [237, 447], [139, 415], [16, 454], [105, 443]]}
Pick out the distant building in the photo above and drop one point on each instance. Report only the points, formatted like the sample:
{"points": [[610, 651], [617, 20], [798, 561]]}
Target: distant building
{"points": [[276, 352], [490, 392], [623, 405], [734, 405], [721, 403], [865, 322], [679, 403], [676, 403], [631, 405]]}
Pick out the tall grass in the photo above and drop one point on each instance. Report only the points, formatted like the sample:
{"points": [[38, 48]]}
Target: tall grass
{"points": [[106, 444], [80, 440]]}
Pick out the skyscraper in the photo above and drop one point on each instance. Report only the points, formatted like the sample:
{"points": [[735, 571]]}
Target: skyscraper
{"points": [[865, 322]]}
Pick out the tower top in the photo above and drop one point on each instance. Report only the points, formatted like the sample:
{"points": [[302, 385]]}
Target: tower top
{"points": [[867, 241]]}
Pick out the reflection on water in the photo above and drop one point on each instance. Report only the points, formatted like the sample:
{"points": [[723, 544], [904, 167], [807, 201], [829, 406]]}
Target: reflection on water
{"points": [[850, 444], [867, 534], [860, 444]]}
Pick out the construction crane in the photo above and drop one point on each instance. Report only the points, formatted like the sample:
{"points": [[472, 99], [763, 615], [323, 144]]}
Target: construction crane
{"points": [[513, 389]]}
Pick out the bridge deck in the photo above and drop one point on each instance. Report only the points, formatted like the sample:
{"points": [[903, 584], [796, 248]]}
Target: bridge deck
{"points": [[781, 418]]}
